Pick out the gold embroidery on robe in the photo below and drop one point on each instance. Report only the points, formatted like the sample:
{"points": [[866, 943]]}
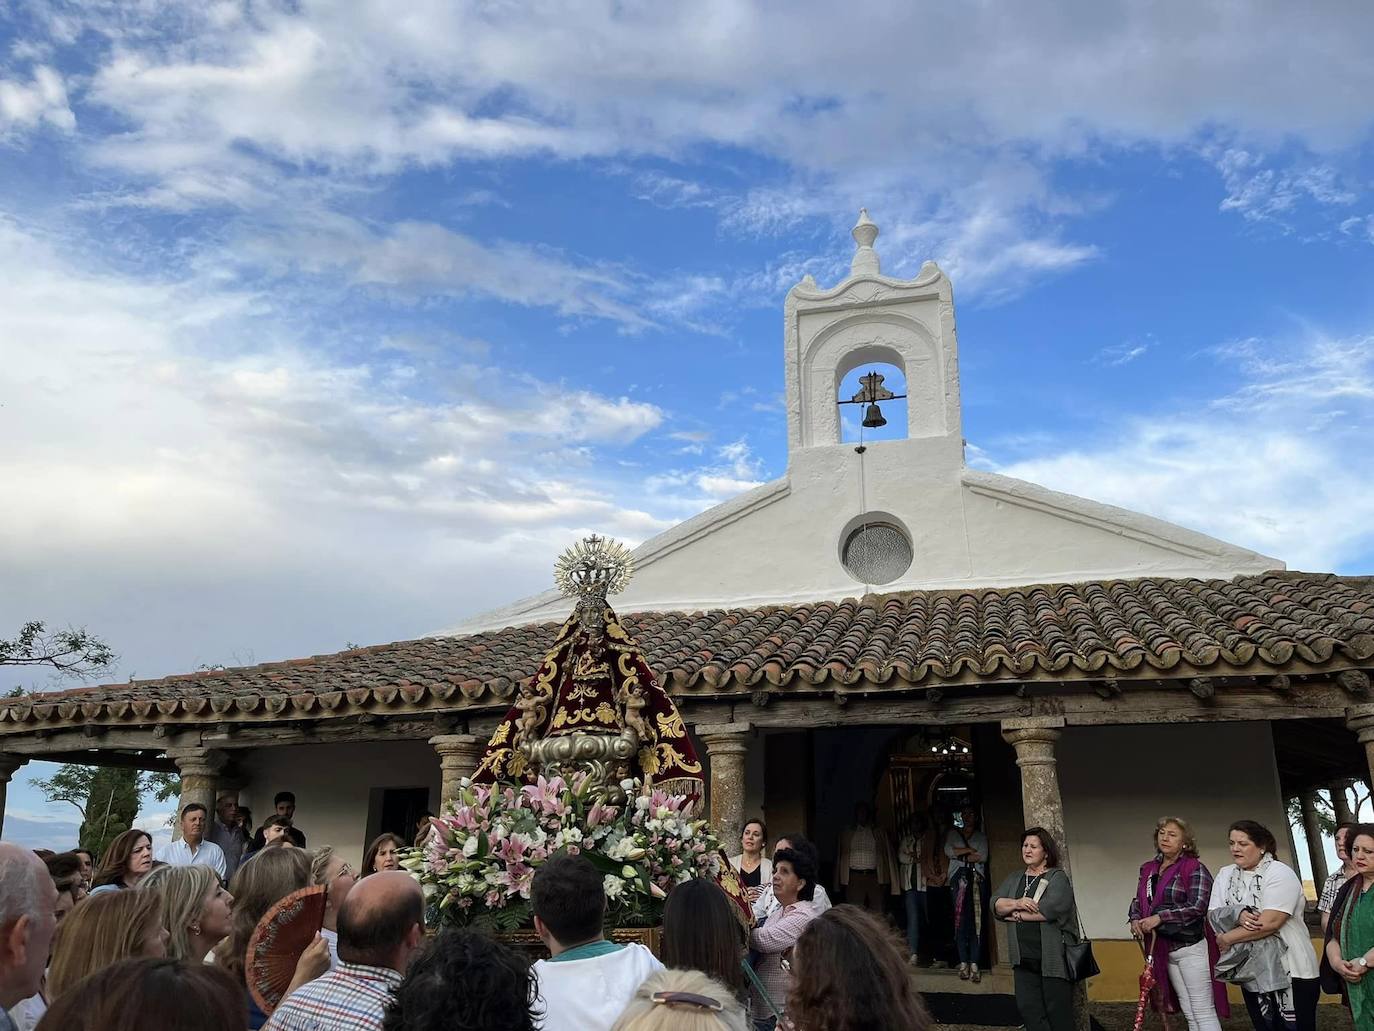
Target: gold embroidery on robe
{"points": [[670, 724], [500, 734], [670, 756]]}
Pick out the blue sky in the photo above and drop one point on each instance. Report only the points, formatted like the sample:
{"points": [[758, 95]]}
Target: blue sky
{"points": [[326, 324]]}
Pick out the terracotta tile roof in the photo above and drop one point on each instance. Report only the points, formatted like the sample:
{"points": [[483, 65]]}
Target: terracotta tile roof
{"points": [[1123, 629]]}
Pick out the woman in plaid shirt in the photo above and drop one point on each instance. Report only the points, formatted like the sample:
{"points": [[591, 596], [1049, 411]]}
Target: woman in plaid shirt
{"points": [[794, 879], [1169, 917]]}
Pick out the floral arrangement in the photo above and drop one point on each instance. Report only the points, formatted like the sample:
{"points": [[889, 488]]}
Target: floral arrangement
{"points": [[478, 863]]}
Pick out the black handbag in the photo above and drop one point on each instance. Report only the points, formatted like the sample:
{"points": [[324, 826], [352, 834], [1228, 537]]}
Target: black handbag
{"points": [[1079, 961]]}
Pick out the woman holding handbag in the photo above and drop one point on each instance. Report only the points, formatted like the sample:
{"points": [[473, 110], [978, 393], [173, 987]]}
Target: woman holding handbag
{"points": [[1169, 918], [1039, 904]]}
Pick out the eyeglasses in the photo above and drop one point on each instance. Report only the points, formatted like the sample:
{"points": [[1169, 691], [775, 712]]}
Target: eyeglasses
{"points": [[704, 1002]]}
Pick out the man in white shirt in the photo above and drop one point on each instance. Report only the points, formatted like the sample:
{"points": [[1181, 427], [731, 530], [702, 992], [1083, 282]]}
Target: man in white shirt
{"points": [[587, 981], [193, 849]]}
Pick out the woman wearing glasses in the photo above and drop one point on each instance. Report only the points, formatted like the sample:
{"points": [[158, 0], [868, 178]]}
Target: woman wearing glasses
{"points": [[328, 870]]}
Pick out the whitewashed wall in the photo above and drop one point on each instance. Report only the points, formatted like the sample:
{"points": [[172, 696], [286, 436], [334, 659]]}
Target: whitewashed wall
{"points": [[1117, 781], [334, 784]]}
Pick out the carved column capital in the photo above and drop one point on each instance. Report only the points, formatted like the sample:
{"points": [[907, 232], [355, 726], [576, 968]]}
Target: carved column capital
{"points": [[459, 755], [198, 762], [724, 738]]}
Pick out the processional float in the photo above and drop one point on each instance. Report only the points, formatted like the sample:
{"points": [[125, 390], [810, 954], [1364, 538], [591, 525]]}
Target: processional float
{"points": [[593, 758]]}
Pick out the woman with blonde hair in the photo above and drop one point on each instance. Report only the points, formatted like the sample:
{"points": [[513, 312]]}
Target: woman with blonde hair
{"points": [[257, 886], [104, 930], [329, 871], [1168, 917], [682, 1000], [195, 909]]}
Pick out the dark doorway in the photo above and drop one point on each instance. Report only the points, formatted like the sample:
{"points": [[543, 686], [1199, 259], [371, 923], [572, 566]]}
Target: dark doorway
{"points": [[397, 811]]}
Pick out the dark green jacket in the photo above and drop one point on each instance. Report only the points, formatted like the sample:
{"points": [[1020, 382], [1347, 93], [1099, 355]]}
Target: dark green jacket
{"points": [[1061, 920]]}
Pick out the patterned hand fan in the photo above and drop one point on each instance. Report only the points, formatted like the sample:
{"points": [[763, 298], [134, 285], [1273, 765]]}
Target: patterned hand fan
{"points": [[284, 932]]}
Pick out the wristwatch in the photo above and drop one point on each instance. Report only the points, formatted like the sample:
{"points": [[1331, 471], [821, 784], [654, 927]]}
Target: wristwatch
{"points": [[1362, 963]]}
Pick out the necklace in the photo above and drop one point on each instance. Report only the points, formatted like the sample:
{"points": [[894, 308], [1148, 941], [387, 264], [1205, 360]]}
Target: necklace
{"points": [[1030, 880]]}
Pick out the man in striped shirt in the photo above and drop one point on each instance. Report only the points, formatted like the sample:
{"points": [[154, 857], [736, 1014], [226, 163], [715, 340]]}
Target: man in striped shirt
{"points": [[381, 928]]}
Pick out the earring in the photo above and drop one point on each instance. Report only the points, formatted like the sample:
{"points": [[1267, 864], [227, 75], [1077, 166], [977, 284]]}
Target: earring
{"points": [[195, 928]]}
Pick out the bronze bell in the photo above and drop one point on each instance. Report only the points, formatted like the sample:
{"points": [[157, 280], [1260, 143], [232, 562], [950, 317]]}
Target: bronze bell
{"points": [[874, 418]]}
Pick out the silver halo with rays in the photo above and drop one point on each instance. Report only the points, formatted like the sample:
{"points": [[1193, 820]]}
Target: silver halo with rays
{"points": [[593, 568]]}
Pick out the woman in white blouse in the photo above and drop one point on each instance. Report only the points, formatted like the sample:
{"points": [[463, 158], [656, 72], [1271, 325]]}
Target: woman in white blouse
{"points": [[754, 868], [1270, 897]]}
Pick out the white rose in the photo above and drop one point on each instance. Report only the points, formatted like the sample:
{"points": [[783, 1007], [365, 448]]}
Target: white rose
{"points": [[613, 886]]}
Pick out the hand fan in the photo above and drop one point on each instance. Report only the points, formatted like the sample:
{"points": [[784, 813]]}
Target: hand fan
{"points": [[284, 932]]}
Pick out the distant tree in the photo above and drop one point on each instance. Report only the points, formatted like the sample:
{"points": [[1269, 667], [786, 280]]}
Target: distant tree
{"points": [[107, 797], [70, 652]]}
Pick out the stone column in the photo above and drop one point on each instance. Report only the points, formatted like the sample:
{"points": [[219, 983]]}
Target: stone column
{"points": [[1360, 719], [726, 745], [459, 755], [1034, 739], [1340, 800], [9, 763], [200, 768], [1312, 831]]}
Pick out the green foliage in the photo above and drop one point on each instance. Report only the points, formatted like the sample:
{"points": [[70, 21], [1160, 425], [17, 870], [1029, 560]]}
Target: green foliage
{"points": [[108, 798], [70, 652]]}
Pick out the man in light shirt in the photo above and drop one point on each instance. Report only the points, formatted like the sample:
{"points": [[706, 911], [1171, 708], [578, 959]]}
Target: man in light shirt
{"points": [[866, 863], [193, 849], [587, 981]]}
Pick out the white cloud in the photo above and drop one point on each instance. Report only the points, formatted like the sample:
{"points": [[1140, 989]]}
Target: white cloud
{"points": [[955, 148], [43, 98], [1121, 354], [1279, 464], [303, 500]]}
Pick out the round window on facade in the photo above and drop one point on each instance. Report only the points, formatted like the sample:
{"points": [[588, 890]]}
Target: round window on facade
{"points": [[876, 553]]}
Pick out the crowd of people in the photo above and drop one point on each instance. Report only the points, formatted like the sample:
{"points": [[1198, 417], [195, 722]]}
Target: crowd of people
{"points": [[145, 939], [139, 938], [1245, 926]]}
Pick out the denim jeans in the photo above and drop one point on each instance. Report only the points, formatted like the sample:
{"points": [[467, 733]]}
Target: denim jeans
{"points": [[915, 917]]}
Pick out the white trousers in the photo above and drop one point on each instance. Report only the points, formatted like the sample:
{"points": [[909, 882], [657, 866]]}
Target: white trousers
{"points": [[1190, 974]]}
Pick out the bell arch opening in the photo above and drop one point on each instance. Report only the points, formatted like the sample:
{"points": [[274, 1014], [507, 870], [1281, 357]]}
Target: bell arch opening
{"points": [[859, 419]]}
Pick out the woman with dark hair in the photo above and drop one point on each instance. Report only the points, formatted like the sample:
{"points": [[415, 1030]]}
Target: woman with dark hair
{"points": [[766, 905], [464, 980], [851, 975], [139, 994], [1168, 916], [127, 861], [104, 930], [1348, 948], [702, 932], [383, 854], [1259, 898], [751, 864], [257, 886], [794, 884], [1039, 903]]}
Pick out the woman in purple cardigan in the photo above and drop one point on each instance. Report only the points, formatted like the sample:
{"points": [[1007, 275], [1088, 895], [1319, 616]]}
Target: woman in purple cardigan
{"points": [[1169, 917]]}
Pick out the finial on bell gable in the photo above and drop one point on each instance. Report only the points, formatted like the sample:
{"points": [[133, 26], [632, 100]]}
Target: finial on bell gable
{"points": [[865, 261]]}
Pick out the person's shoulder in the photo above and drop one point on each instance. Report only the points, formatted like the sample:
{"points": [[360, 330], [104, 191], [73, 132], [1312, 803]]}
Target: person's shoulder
{"points": [[641, 955]]}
